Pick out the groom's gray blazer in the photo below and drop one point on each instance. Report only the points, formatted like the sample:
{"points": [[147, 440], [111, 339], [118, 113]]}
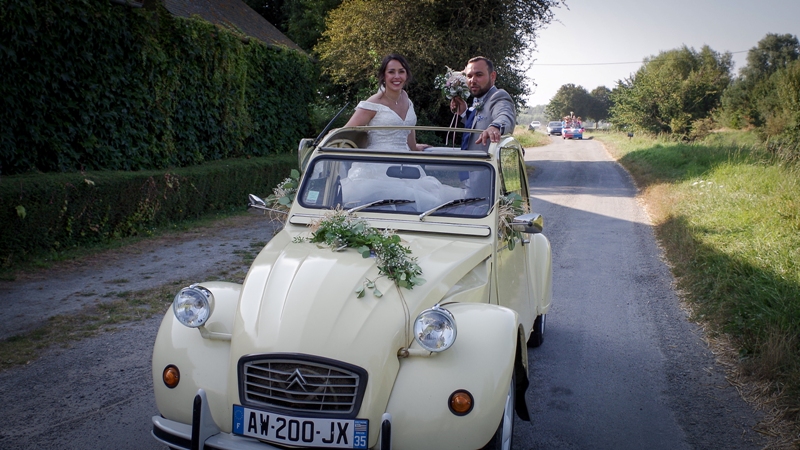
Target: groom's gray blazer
{"points": [[498, 109]]}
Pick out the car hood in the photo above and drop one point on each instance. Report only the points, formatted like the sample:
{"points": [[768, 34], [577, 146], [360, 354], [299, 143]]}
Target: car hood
{"points": [[301, 298]]}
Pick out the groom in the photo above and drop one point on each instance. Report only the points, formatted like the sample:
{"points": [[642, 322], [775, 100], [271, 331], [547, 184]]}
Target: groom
{"points": [[492, 109]]}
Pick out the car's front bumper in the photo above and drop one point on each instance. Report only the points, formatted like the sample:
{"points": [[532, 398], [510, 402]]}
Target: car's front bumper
{"points": [[203, 433], [179, 435]]}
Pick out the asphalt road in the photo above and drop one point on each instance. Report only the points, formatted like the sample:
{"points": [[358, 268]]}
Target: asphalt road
{"points": [[620, 368]]}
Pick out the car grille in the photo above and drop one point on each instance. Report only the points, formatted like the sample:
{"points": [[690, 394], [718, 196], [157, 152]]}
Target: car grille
{"points": [[303, 385]]}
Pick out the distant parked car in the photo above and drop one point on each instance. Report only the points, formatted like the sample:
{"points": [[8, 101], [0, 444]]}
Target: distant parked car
{"points": [[554, 128], [534, 125]]}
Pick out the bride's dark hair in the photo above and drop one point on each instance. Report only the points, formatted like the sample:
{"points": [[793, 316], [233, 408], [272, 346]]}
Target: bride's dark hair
{"points": [[385, 62]]}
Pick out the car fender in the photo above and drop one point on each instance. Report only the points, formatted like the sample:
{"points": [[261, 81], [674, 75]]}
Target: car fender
{"points": [[540, 273], [202, 362], [487, 337]]}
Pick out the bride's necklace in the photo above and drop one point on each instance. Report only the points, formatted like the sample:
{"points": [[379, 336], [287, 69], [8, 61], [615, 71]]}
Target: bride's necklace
{"points": [[396, 102]]}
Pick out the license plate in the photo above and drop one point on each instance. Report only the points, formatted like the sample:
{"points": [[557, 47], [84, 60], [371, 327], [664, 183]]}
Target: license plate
{"points": [[300, 431]]}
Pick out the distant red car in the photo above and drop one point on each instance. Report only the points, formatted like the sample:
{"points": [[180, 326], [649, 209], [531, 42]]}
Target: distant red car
{"points": [[572, 133]]}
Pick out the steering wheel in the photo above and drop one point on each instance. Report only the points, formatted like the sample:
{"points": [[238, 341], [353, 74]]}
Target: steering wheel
{"points": [[341, 143]]}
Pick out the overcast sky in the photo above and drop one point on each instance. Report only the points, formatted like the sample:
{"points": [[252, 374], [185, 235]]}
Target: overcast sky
{"points": [[595, 33]]}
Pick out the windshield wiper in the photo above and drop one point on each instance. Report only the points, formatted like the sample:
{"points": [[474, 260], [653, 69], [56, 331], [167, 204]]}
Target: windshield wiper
{"points": [[388, 201], [460, 201]]}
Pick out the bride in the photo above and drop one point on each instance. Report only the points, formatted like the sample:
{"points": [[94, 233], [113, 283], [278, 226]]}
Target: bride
{"points": [[389, 107]]}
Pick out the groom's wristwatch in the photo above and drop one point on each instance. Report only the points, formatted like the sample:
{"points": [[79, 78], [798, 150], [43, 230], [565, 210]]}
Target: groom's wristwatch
{"points": [[499, 127]]}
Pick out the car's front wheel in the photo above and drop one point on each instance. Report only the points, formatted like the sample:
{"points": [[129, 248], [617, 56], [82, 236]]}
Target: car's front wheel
{"points": [[505, 431]]}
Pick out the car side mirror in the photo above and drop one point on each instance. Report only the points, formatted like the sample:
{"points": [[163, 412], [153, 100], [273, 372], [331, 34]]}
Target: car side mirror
{"points": [[528, 223], [255, 202]]}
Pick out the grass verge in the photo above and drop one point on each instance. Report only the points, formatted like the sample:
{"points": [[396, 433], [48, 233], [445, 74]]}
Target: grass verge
{"points": [[727, 214], [528, 138]]}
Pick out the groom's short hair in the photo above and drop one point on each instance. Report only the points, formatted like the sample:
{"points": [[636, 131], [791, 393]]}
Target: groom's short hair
{"points": [[488, 62]]}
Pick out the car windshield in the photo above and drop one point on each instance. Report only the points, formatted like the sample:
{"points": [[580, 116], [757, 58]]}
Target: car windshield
{"points": [[398, 186], [555, 124]]}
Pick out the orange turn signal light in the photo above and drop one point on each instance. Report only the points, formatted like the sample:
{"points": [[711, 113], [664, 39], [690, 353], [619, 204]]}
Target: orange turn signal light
{"points": [[461, 402], [171, 376]]}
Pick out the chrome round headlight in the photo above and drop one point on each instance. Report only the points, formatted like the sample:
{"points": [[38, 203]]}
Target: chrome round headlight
{"points": [[435, 329], [193, 306]]}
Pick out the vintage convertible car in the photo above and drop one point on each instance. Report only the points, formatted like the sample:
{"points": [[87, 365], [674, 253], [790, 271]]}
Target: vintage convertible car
{"points": [[319, 347], [572, 132]]}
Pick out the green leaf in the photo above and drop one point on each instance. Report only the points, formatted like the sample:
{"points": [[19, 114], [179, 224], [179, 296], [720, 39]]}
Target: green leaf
{"points": [[364, 250], [295, 174], [21, 211], [370, 284], [377, 293], [417, 281], [360, 292]]}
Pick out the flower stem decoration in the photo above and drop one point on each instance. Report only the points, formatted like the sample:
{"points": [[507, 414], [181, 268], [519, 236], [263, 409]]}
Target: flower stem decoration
{"points": [[452, 84], [509, 206], [340, 230], [284, 193], [280, 201]]}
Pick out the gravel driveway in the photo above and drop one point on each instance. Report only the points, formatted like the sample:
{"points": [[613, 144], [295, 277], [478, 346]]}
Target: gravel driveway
{"points": [[98, 392]]}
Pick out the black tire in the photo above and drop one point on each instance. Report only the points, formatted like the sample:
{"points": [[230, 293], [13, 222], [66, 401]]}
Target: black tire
{"points": [[504, 436], [537, 333]]}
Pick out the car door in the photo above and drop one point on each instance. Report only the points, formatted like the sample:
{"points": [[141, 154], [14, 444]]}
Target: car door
{"points": [[512, 263]]}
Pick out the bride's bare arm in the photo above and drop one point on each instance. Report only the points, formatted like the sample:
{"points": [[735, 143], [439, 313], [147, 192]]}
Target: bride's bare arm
{"points": [[360, 118], [412, 142]]}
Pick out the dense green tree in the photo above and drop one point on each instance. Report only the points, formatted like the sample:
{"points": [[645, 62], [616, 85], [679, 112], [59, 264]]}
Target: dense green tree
{"points": [[774, 52], [303, 21], [778, 107], [432, 34], [272, 10], [602, 103], [569, 100], [575, 100], [749, 98], [672, 91]]}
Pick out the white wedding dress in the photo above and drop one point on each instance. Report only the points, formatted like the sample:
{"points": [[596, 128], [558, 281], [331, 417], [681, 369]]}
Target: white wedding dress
{"points": [[385, 117], [368, 182]]}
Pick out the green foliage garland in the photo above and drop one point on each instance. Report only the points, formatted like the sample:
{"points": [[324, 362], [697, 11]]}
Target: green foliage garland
{"points": [[340, 230]]}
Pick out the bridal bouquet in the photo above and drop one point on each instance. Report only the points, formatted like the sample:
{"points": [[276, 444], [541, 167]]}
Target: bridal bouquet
{"points": [[452, 84]]}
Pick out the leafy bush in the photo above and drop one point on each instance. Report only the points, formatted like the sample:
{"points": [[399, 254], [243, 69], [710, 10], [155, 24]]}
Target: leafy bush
{"points": [[88, 85]]}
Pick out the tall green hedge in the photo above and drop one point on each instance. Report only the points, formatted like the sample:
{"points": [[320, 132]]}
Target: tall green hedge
{"points": [[87, 85], [44, 213]]}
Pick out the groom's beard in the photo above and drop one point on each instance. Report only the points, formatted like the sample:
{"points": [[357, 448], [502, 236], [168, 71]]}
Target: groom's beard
{"points": [[482, 92]]}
